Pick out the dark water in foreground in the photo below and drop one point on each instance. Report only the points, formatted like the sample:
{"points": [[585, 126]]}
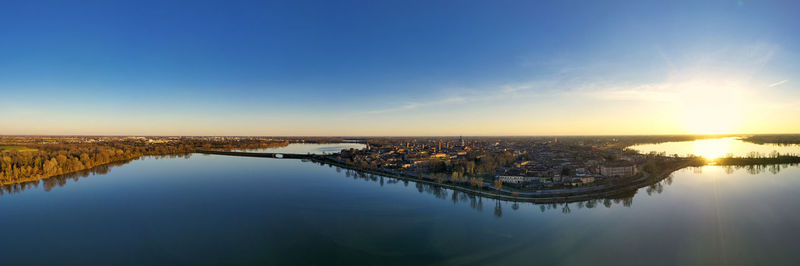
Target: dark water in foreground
{"points": [[212, 209]]}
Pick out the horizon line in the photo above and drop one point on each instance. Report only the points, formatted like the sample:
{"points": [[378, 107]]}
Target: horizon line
{"points": [[395, 136]]}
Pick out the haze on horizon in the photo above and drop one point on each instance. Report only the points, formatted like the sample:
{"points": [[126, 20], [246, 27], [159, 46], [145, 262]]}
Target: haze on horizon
{"points": [[399, 68]]}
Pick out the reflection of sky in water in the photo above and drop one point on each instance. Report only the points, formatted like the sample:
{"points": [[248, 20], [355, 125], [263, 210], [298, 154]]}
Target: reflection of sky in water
{"points": [[313, 148], [217, 209], [715, 148]]}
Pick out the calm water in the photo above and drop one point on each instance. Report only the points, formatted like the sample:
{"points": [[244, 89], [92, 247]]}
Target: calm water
{"points": [[306, 148], [212, 209], [715, 148]]}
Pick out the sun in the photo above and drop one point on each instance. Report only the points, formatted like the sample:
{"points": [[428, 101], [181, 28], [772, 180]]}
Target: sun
{"points": [[709, 123], [711, 108], [711, 149]]}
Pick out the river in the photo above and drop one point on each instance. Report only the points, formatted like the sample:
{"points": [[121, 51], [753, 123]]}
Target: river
{"points": [[310, 148], [716, 148], [210, 209]]}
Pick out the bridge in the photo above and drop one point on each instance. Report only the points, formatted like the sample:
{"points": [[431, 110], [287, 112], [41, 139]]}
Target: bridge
{"points": [[259, 154]]}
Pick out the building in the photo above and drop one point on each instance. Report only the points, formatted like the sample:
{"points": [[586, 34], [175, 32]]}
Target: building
{"points": [[620, 168]]}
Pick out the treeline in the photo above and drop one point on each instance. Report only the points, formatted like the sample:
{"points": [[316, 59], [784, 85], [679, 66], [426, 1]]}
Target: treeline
{"points": [[658, 166], [774, 139], [61, 180], [750, 160], [61, 158]]}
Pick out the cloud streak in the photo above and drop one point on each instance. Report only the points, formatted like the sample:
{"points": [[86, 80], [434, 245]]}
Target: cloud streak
{"points": [[415, 105], [776, 84]]}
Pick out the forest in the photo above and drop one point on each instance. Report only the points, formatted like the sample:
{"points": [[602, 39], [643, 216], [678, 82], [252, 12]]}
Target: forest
{"points": [[34, 158]]}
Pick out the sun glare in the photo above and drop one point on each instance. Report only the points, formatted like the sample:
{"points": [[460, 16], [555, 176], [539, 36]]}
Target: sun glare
{"points": [[711, 124], [711, 149], [711, 107]]}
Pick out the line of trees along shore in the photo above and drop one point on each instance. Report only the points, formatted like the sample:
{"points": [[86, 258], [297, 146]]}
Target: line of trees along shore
{"points": [[779, 159], [56, 159], [785, 139]]}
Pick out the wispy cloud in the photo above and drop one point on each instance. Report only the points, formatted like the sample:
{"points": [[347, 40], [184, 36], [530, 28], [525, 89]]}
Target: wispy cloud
{"points": [[415, 105], [776, 84], [646, 92], [725, 71], [472, 95]]}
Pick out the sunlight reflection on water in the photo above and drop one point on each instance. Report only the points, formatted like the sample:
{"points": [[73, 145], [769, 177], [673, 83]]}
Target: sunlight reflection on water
{"points": [[716, 148]]}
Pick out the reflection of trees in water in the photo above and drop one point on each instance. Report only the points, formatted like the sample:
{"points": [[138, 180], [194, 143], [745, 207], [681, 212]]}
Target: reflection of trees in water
{"points": [[475, 202], [498, 209], [758, 168], [753, 169], [61, 180], [657, 187], [697, 170]]}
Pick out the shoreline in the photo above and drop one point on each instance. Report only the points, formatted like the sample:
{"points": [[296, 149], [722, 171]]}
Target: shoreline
{"points": [[88, 169], [541, 196], [535, 197], [617, 189], [38, 178]]}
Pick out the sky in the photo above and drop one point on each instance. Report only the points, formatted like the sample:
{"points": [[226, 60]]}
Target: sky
{"points": [[359, 68]]}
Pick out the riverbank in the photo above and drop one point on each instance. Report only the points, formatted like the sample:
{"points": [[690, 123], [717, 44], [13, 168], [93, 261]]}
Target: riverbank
{"points": [[86, 169], [6, 182], [542, 196], [655, 171]]}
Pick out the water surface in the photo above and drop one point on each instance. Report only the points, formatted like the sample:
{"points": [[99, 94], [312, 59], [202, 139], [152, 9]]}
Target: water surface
{"points": [[311, 148], [211, 209], [716, 148]]}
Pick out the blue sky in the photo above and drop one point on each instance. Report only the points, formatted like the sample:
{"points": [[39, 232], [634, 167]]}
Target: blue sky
{"points": [[398, 67]]}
